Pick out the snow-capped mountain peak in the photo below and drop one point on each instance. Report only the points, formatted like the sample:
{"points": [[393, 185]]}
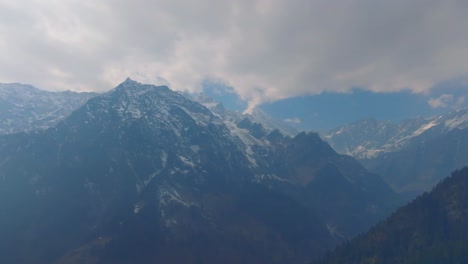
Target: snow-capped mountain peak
{"points": [[371, 138], [25, 108]]}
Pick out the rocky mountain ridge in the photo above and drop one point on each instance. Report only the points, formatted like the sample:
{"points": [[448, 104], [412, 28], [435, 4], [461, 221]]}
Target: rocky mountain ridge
{"points": [[26, 108], [142, 173], [370, 138]]}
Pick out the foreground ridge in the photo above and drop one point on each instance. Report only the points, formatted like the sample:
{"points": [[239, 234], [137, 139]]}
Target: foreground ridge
{"points": [[431, 229]]}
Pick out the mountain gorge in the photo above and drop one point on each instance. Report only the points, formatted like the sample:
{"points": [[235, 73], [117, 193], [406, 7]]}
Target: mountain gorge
{"points": [[143, 174]]}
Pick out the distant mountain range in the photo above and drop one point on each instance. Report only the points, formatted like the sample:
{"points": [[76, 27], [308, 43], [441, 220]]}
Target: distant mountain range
{"points": [[421, 165], [371, 138], [142, 174], [26, 108], [412, 156], [431, 229]]}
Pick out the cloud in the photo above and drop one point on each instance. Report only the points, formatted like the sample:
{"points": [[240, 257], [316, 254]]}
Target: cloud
{"points": [[460, 102], [266, 49], [293, 120], [446, 100], [441, 101]]}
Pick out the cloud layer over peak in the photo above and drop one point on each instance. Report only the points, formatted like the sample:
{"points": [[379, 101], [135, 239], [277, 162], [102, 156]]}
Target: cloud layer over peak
{"points": [[265, 49]]}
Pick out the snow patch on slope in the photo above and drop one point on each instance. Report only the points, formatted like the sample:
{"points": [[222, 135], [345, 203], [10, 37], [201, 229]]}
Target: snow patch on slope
{"points": [[424, 128]]}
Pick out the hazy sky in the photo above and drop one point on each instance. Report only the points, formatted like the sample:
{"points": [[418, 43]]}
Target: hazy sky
{"points": [[265, 49]]}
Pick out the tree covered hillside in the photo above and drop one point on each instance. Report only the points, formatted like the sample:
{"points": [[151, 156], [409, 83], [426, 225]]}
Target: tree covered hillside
{"points": [[431, 229]]}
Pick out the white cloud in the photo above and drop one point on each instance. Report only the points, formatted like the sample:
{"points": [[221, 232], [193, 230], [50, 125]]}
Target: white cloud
{"points": [[265, 49], [441, 101], [460, 102], [293, 120], [447, 100]]}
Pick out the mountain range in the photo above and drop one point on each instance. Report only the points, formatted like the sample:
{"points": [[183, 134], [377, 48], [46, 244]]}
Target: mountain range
{"points": [[142, 174], [412, 156], [370, 138], [26, 108]]}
